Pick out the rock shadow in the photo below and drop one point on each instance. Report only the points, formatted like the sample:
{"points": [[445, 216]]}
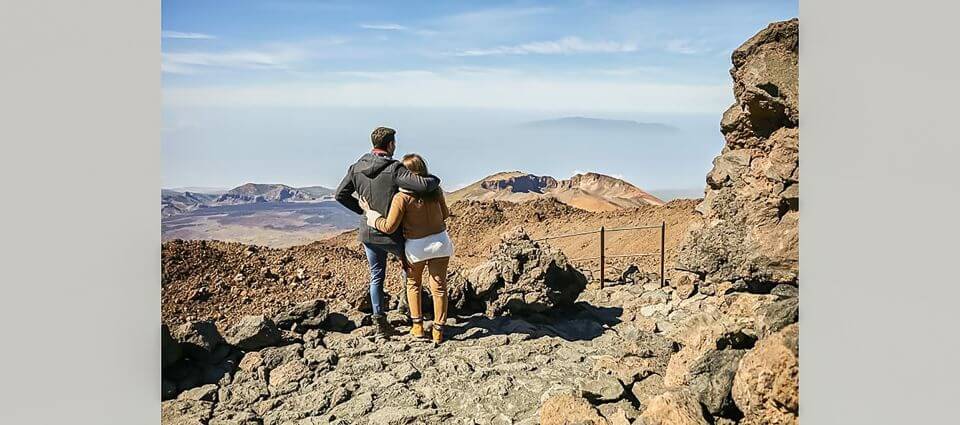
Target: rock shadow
{"points": [[580, 322]]}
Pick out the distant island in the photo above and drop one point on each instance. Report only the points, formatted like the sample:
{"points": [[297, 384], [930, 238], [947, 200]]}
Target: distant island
{"points": [[599, 124]]}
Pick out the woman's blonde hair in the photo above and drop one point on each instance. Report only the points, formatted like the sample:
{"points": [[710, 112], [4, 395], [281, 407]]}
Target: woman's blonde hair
{"points": [[417, 165]]}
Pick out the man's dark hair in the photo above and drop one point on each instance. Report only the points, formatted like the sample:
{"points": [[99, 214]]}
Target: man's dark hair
{"points": [[382, 136]]}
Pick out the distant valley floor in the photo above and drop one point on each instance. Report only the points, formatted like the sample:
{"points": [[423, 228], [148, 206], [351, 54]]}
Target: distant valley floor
{"points": [[274, 224]]}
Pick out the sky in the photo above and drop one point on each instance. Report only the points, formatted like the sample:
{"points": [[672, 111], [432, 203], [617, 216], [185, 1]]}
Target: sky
{"points": [[288, 91]]}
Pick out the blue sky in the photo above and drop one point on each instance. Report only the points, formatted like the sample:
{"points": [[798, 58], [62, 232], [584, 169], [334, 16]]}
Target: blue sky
{"points": [[288, 91]]}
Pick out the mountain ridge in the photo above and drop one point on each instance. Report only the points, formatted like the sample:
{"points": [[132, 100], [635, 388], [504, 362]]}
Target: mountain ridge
{"points": [[587, 191], [173, 202]]}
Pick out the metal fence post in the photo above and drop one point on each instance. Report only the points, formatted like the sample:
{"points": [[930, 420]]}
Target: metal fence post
{"points": [[601, 256], [663, 257]]}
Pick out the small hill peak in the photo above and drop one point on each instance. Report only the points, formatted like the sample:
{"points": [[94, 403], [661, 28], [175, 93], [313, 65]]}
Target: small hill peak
{"points": [[588, 191]]}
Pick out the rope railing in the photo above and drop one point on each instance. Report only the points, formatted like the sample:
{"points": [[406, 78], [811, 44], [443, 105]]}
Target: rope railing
{"points": [[618, 229], [568, 235], [603, 255], [647, 254]]}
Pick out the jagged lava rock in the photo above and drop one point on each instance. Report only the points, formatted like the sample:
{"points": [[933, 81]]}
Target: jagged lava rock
{"points": [[253, 333], [522, 276], [198, 339], [750, 211], [185, 412], [673, 408], [605, 388], [711, 379], [569, 409], [308, 314], [766, 386]]}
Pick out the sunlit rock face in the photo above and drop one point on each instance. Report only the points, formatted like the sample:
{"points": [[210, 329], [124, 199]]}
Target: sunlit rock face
{"points": [[748, 235]]}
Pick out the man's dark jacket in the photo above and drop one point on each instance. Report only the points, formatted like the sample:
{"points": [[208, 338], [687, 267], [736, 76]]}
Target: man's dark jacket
{"points": [[377, 177]]}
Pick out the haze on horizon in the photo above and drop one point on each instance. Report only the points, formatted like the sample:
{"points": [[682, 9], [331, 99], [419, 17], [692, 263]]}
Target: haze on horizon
{"points": [[288, 91]]}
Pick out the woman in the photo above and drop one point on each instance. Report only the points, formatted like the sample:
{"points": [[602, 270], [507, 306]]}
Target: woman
{"points": [[427, 245]]}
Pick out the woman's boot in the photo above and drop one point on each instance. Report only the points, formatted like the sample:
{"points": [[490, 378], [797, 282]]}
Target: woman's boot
{"points": [[417, 328], [416, 314]]}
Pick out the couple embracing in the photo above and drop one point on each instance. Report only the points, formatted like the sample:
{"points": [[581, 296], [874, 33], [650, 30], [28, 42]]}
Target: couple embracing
{"points": [[404, 213]]}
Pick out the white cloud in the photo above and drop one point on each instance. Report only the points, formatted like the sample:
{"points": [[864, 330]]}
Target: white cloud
{"points": [[566, 45], [628, 71], [684, 47], [459, 72], [399, 28], [384, 75], [452, 88], [496, 23], [384, 27], [276, 56], [494, 17], [194, 61], [186, 35]]}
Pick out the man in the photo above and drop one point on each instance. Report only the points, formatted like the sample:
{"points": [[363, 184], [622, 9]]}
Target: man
{"points": [[376, 177]]}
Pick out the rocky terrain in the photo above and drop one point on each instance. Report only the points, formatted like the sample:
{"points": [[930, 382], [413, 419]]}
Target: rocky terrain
{"points": [[256, 335], [587, 191], [542, 350], [222, 281]]}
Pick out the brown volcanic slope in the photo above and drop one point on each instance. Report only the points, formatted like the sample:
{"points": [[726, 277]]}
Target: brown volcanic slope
{"points": [[254, 192], [589, 191], [223, 281]]}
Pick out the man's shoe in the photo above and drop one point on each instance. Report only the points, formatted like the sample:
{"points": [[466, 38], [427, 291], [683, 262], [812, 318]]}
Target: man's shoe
{"points": [[437, 334], [384, 329]]}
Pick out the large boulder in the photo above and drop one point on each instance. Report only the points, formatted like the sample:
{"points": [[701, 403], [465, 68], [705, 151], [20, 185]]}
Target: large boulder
{"points": [[522, 276], [710, 379], [759, 315], [712, 344], [185, 412], [750, 210], [648, 388], [202, 393], [286, 377], [619, 413], [253, 333], [567, 409], [307, 315], [673, 408], [604, 388], [766, 386], [774, 316], [198, 339]]}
